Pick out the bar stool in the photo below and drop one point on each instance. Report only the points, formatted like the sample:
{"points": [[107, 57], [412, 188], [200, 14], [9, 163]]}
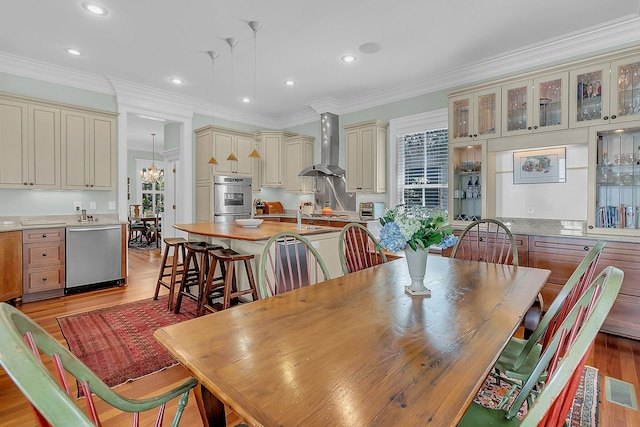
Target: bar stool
{"points": [[227, 259], [171, 270], [195, 272]]}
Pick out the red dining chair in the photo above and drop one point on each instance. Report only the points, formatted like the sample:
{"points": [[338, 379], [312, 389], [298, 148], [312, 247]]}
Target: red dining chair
{"points": [[357, 248], [23, 343], [289, 261], [563, 360]]}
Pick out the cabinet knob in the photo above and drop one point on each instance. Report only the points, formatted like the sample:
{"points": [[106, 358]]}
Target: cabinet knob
{"points": [[605, 118], [475, 135], [480, 240], [25, 183], [535, 127], [586, 248], [44, 279], [590, 227], [529, 128], [86, 185], [44, 236], [44, 254], [613, 116], [31, 183]]}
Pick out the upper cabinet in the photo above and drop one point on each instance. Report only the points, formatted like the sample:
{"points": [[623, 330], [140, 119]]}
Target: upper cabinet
{"points": [[298, 154], [366, 145], [88, 151], [223, 144], [43, 146], [272, 144], [467, 201], [606, 92], [475, 115], [535, 105]]}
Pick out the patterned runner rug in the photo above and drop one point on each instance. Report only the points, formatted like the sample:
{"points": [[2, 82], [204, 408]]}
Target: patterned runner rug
{"points": [[117, 342], [584, 412]]}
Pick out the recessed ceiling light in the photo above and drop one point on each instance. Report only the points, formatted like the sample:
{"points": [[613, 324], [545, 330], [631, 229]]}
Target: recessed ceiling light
{"points": [[289, 82], [176, 80], [74, 52], [348, 58], [370, 47], [247, 100], [95, 9]]}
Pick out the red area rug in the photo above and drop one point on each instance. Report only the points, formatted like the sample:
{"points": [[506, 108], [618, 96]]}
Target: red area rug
{"points": [[117, 342], [584, 412]]}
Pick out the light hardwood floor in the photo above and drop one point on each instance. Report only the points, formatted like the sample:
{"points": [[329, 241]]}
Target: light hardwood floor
{"points": [[614, 356]]}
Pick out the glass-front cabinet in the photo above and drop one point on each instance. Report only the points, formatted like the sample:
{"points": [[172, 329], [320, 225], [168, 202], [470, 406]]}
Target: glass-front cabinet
{"points": [[535, 105], [475, 115], [605, 92], [615, 200], [466, 181]]}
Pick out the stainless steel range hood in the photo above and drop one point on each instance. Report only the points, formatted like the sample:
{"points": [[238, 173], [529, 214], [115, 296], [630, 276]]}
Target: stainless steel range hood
{"points": [[329, 131]]}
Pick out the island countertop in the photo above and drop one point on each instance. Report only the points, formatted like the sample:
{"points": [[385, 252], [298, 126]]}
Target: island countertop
{"points": [[230, 230]]}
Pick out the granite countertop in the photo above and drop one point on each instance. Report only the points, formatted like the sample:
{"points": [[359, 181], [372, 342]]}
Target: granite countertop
{"points": [[17, 223]]}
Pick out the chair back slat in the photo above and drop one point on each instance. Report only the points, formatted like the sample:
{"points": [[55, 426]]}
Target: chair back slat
{"points": [[357, 248], [486, 240], [289, 261]]}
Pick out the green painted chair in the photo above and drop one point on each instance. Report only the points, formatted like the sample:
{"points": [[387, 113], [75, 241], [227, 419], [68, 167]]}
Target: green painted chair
{"points": [[357, 248], [23, 343], [521, 355], [289, 261], [489, 240], [563, 360]]}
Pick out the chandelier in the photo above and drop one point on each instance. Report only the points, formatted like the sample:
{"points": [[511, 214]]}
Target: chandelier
{"points": [[152, 174]]}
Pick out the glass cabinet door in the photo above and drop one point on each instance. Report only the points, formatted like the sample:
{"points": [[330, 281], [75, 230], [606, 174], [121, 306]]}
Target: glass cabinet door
{"points": [[475, 115], [459, 118], [550, 110], [487, 113], [589, 97], [516, 117], [617, 179], [625, 96], [467, 191]]}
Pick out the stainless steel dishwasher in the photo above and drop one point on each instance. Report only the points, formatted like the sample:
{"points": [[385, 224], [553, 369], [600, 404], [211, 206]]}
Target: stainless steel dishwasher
{"points": [[93, 256]]}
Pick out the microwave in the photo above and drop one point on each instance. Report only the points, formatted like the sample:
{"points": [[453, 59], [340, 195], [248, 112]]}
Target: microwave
{"points": [[371, 210]]}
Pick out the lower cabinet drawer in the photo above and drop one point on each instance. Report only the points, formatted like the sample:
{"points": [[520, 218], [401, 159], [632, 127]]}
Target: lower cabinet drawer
{"points": [[42, 254], [43, 279]]}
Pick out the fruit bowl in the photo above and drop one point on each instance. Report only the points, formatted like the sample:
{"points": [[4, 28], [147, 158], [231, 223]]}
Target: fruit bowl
{"points": [[249, 223]]}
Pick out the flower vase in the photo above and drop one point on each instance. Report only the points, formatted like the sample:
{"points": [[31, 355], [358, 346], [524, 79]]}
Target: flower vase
{"points": [[417, 263]]}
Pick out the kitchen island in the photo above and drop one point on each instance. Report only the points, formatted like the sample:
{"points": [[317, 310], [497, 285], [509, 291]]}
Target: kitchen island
{"points": [[253, 240]]}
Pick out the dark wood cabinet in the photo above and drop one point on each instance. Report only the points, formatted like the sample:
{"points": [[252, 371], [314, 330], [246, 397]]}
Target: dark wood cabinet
{"points": [[43, 259], [522, 244], [10, 265]]}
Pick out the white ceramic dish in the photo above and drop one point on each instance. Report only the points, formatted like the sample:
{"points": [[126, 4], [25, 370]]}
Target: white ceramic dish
{"points": [[249, 223]]}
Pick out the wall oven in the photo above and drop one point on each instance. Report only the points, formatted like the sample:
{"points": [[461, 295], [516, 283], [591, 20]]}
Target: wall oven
{"points": [[231, 198]]}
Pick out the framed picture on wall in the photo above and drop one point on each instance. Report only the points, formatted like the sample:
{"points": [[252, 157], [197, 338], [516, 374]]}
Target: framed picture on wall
{"points": [[539, 166]]}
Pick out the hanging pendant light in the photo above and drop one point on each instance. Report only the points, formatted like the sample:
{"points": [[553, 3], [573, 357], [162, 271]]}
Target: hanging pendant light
{"points": [[213, 55], [232, 43], [152, 174], [255, 26]]}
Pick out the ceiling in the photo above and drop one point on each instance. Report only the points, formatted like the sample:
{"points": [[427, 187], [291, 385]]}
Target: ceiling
{"points": [[422, 46]]}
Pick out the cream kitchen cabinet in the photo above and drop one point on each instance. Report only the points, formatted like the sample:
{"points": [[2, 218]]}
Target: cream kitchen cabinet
{"points": [[475, 115], [258, 169], [88, 151], [468, 181], [536, 105], [204, 201], [273, 168], [366, 155], [239, 144], [204, 149], [298, 154], [29, 145], [605, 92]]}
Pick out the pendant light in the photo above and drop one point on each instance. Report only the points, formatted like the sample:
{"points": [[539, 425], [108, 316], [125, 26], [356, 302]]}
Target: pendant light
{"points": [[232, 43], [255, 26], [213, 55], [152, 174]]}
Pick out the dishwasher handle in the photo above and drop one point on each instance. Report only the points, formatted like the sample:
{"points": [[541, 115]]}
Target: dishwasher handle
{"points": [[114, 227]]}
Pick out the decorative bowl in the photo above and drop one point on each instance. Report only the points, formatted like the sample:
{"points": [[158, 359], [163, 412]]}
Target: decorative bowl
{"points": [[249, 223]]}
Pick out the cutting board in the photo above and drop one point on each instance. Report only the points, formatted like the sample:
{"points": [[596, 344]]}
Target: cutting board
{"points": [[271, 208]]}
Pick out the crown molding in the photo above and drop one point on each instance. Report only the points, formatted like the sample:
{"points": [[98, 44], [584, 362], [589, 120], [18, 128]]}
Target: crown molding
{"points": [[37, 70]]}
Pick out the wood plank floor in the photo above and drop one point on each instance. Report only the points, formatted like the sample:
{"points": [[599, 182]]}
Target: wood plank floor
{"points": [[614, 356]]}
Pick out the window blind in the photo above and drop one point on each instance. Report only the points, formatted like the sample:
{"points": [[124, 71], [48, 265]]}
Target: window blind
{"points": [[423, 168]]}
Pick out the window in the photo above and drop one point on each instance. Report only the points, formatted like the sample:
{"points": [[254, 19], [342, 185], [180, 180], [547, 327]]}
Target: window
{"points": [[150, 193], [423, 169], [419, 159]]}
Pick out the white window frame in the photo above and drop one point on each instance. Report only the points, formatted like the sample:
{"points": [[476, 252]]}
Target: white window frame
{"points": [[146, 164], [431, 120]]}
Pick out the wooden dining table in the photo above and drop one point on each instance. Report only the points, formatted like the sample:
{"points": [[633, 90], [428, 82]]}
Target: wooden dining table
{"points": [[357, 350]]}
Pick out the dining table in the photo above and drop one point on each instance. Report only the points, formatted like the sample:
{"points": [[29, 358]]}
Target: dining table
{"points": [[357, 350], [147, 220]]}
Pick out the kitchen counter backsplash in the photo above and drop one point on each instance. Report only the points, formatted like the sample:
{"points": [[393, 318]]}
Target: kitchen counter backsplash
{"points": [[13, 223]]}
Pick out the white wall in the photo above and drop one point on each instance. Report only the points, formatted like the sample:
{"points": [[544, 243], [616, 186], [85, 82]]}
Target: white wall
{"points": [[566, 200]]}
